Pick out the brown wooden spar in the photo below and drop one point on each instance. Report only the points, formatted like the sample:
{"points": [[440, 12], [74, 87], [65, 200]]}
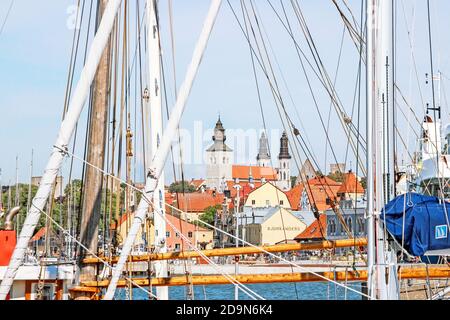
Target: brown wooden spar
{"points": [[432, 272], [92, 189], [317, 245]]}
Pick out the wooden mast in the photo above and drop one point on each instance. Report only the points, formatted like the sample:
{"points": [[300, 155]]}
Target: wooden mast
{"points": [[96, 156], [316, 245]]}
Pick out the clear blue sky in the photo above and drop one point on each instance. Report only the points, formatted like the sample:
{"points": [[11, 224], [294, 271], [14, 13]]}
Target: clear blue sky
{"points": [[35, 50]]}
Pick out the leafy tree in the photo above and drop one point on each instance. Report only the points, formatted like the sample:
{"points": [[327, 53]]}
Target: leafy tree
{"points": [[180, 187], [337, 176], [364, 182], [293, 181], [209, 215]]}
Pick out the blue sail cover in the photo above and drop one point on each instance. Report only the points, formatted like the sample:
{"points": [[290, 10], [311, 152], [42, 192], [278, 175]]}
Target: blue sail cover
{"points": [[426, 226]]}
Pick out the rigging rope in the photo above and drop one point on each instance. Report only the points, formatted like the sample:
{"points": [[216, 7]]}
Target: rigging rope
{"points": [[66, 152]]}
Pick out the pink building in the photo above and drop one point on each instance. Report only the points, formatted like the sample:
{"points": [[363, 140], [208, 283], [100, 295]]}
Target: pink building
{"points": [[200, 237]]}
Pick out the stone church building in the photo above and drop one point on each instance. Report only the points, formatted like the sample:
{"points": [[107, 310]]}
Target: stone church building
{"points": [[220, 167]]}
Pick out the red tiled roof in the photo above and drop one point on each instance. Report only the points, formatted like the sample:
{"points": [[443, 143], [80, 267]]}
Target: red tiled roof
{"points": [[315, 230], [197, 183], [198, 202], [258, 173], [318, 192], [39, 234], [325, 181], [245, 188], [351, 184]]}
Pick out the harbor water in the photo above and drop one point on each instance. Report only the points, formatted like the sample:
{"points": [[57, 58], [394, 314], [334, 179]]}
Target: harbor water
{"points": [[276, 291]]}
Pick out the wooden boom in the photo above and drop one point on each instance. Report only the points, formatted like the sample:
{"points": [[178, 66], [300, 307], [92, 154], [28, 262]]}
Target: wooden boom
{"points": [[317, 245], [432, 272]]}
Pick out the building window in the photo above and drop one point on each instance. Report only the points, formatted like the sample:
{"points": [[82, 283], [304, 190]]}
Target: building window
{"points": [[350, 224], [332, 227], [168, 234], [177, 246], [268, 203], [224, 160], [284, 165], [190, 234], [177, 234], [281, 202], [360, 225], [253, 202]]}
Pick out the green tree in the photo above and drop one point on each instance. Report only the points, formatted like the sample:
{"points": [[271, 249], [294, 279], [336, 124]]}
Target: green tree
{"points": [[209, 215], [180, 187], [337, 176]]}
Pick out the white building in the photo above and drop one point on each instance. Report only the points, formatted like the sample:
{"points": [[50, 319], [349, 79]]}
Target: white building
{"points": [[219, 160]]}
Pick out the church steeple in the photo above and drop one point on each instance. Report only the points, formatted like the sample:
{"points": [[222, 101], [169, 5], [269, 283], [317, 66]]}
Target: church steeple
{"points": [[284, 147], [284, 170], [263, 157], [219, 138], [219, 160]]}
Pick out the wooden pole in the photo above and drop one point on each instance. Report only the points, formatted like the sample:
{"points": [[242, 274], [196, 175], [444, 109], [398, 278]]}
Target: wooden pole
{"points": [[435, 272], [92, 196], [241, 251]]}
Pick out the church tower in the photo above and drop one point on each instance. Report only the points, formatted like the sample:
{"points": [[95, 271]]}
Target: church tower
{"points": [[219, 160], [263, 158], [284, 170]]}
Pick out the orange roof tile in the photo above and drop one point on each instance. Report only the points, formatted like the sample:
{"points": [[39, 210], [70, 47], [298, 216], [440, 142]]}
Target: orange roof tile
{"points": [[351, 184], [198, 202], [258, 173], [245, 188], [325, 181], [318, 191], [317, 230], [197, 183], [39, 234]]}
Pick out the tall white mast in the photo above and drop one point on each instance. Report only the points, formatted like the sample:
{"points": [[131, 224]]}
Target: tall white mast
{"points": [[386, 89], [158, 162], [64, 136], [380, 148], [156, 126], [370, 95]]}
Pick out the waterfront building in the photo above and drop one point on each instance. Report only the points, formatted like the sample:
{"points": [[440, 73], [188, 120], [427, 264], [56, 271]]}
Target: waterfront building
{"points": [[267, 196], [277, 226]]}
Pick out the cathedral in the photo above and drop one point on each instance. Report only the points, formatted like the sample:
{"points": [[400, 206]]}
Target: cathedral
{"points": [[221, 170]]}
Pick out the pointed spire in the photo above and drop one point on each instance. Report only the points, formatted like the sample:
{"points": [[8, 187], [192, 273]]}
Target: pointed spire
{"points": [[284, 147], [263, 153], [219, 138]]}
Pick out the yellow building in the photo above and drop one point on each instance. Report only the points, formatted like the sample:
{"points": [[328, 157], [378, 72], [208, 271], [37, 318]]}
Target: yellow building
{"points": [[200, 237], [124, 225], [277, 226], [267, 196]]}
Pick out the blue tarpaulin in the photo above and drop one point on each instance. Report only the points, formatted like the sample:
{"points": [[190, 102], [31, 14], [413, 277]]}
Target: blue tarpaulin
{"points": [[425, 223]]}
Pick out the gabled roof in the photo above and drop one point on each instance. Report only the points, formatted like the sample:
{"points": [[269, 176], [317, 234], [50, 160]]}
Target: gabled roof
{"points": [[197, 183], [245, 190], [39, 234], [198, 202], [307, 217], [318, 190], [315, 230], [274, 210], [258, 173], [351, 184]]}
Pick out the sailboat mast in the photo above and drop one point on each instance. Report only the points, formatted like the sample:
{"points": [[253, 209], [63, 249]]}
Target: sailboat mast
{"points": [[156, 132], [158, 162], [380, 141], [387, 93], [92, 190], [64, 136], [370, 96]]}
